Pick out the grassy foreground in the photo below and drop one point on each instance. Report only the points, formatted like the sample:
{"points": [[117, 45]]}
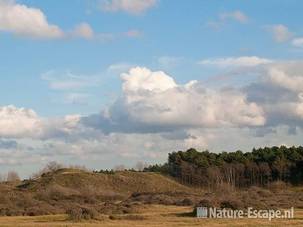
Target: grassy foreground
{"points": [[154, 215]]}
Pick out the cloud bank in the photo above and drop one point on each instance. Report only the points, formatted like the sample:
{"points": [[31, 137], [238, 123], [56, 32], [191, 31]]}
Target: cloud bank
{"points": [[128, 6], [26, 21], [155, 115]]}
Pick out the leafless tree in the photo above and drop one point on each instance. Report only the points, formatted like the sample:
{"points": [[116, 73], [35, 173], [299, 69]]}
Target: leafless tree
{"points": [[120, 168], [2, 178], [140, 165], [53, 166], [50, 167], [12, 176]]}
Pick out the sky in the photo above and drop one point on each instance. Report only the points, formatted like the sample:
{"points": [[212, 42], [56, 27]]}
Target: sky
{"points": [[107, 82]]}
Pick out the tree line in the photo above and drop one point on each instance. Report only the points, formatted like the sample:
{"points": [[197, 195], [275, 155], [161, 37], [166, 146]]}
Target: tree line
{"points": [[237, 169]]}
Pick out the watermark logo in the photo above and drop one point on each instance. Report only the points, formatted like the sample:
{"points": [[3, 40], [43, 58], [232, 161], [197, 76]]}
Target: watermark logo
{"points": [[202, 212], [213, 212]]}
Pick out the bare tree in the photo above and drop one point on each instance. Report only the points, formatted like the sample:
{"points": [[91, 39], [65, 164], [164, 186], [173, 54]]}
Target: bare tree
{"points": [[50, 167], [140, 165], [12, 176], [120, 168], [2, 178], [53, 166], [78, 167]]}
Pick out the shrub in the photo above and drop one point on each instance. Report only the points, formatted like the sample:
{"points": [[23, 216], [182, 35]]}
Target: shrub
{"points": [[56, 192], [127, 217], [185, 202], [277, 186], [34, 211], [89, 213], [205, 203], [230, 203], [80, 213], [74, 214]]}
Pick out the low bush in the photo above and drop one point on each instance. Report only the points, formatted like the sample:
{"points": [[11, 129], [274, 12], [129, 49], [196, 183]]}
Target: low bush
{"points": [[231, 204], [205, 203], [185, 202], [81, 213], [277, 186], [130, 217]]}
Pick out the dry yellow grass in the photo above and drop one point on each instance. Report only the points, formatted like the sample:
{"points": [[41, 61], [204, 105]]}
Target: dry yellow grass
{"points": [[124, 182], [154, 216]]}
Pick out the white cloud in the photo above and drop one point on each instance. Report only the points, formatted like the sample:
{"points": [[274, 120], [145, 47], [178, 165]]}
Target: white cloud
{"points": [[288, 76], [297, 42], [129, 6], [76, 98], [26, 21], [133, 33], [244, 61], [169, 61], [225, 17], [8, 144], [17, 122], [280, 77], [278, 92], [197, 140], [280, 33], [25, 123], [154, 98], [68, 80], [31, 22], [83, 30], [156, 115], [118, 68], [142, 79], [234, 15]]}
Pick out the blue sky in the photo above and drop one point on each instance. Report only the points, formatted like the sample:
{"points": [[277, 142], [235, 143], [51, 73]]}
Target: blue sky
{"points": [[170, 28], [62, 58]]}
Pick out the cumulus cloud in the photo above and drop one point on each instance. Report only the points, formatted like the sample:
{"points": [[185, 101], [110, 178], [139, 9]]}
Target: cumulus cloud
{"points": [[234, 15], [169, 61], [280, 33], [76, 98], [154, 98], [83, 30], [279, 77], [225, 17], [154, 102], [26, 21], [129, 6], [18, 122], [68, 80], [140, 78], [155, 115], [244, 61], [297, 42], [8, 144], [118, 68], [196, 140], [25, 123], [279, 93]]}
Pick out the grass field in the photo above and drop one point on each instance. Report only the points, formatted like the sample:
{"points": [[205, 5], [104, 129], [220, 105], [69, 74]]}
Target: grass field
{"points": [[155, 215]]}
